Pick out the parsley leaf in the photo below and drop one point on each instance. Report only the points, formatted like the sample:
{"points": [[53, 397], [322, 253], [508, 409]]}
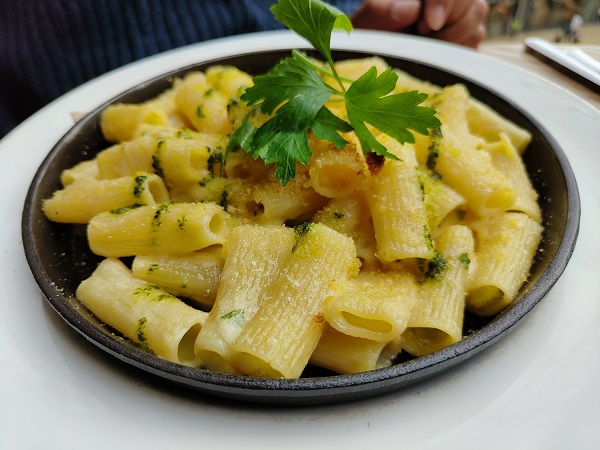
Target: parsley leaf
{"points": [[314, 21], [367, 102], [294, 94]]}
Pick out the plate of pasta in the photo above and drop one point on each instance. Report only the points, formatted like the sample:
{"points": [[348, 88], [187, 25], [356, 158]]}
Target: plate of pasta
{"points": [[169, 247]]}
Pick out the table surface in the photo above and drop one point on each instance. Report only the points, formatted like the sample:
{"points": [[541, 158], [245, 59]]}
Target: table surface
{"points": [[514, 53]]}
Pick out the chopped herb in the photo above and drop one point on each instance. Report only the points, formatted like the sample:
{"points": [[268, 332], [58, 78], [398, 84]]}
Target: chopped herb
{"points": [[237, 314], [421, 185], [216, 157], [427, 236], [152, 268], [156, 158], [200, 112], [223, 201], [204, 181], [464, 259], [338, 215], [436, 266], [302, 230], [141, 329], [163, 208], [181, 221], [151, 293], [433, 152], [140, 180], [184, 134], [295, 92], [125, 209]]}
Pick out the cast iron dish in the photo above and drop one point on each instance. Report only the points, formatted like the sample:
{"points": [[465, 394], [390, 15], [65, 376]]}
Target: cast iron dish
{"points": [[60, 258]]}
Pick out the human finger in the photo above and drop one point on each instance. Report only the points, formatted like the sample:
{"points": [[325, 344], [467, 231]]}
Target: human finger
{"points": [[387, 15]]}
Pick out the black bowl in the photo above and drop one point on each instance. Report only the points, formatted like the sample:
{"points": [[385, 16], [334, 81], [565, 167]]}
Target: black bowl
{"points": [[60, 258]]}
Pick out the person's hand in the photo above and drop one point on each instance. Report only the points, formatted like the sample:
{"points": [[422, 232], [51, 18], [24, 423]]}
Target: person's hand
{"points": [[458, 21]]}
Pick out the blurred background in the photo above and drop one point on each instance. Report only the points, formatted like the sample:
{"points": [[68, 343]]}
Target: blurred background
{"points": [[569, 21]]}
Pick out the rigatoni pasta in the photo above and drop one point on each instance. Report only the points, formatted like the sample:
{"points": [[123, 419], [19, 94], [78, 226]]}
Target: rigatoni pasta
{"points": [[213, 263]]}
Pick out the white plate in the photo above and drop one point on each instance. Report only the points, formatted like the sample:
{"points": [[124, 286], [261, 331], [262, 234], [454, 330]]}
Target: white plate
{"points": [[537, 388]]}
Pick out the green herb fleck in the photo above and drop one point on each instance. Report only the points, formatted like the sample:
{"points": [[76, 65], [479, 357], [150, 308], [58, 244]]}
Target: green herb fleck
{"points": [[125, 209], [237, 314], [464, 259], [427, 236], [140, 180], [181, 221], [338, 215], [436, 266], [156, 158], [141, 329], [162, 209], [216, 157], [200, 112], [223, 202], [152, 268], [184, 134]]}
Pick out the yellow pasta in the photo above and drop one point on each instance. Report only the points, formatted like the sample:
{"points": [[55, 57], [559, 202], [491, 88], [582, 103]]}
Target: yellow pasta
{"points": [[195, 275], [181, 157], [166, 228], [351, 215], [436, 320], [506, 159], [85, 170], [280, 338], [255, 255], [506, 247], [374, 305], [204, 106], [156, 320], [351, 263], [121, 122], [396, 201], [347, 354], [81, 200]]}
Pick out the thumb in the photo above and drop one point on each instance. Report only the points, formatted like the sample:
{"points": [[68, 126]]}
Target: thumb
{"points": [[387, 15]]}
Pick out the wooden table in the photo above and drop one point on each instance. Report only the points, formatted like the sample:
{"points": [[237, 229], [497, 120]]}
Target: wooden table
{"points": [[515, 54]]}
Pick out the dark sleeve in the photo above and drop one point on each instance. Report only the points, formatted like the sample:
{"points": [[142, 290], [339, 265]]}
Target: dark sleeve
{"points": [[48, 47]]}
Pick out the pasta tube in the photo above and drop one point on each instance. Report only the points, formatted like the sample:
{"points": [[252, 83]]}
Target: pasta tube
{"points": [[506, 247], [280, 338], [506, 158], [348, 354], [194, 275], [396, 202], [81, 200], [202, 105], [255, 255], [85, 170], [121, 122], [455, 155], [436, 320], [154, 319], [374, 305], [163, 229], [351, 215]]}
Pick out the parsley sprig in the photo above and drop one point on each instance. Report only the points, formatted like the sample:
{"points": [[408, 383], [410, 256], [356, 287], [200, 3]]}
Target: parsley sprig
{"points": [[293, 94]]}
